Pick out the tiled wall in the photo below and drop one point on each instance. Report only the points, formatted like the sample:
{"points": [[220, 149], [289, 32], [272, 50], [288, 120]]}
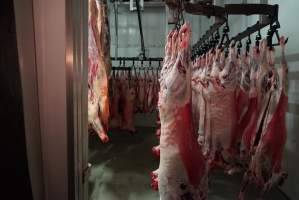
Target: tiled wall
{"points": [[154, 29], [153, 22]]}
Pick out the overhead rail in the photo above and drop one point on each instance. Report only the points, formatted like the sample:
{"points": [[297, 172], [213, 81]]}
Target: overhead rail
{"points": [[270, 13], [136, 59]]}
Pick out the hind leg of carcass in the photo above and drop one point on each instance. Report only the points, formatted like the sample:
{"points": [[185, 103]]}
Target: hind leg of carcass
{"points": [[97, 126]]}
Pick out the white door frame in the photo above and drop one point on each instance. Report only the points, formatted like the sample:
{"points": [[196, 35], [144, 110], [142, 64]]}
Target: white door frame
{"points": [[52, 44], [77, 96], [28, 70]]}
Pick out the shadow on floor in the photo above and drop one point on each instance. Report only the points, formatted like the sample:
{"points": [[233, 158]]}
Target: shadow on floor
{"points": [[121, 170]]}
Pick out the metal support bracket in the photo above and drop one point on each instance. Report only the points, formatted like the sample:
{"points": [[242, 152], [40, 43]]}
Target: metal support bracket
{"points": [[142, 54]]}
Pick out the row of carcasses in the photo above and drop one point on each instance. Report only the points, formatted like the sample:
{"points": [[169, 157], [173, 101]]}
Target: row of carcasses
{"points": [[132, 91], [238, 105]]}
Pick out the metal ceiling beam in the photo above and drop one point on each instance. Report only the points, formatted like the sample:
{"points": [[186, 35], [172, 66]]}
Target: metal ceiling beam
{"points": [[249, 31], [204, 9], [252, 9], [270, 13]]}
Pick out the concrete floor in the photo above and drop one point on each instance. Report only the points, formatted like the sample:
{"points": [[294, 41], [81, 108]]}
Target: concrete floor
{"points": [[121, 170]]}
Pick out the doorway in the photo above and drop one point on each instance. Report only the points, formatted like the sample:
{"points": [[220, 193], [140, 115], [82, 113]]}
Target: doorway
{"points": [[119, 169]]}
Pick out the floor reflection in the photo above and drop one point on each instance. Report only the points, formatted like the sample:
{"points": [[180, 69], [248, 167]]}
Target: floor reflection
{"points": [[121, 170]]}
